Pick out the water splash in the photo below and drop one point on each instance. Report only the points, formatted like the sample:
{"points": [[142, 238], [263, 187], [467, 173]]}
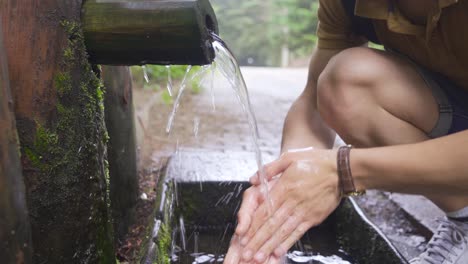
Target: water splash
{"points": [[145, 73], [213, 70], [302, 257], [169, 80], [227, 65], [182, 233], [195, 242], [196, 126], [183, 84], [223, 237]]}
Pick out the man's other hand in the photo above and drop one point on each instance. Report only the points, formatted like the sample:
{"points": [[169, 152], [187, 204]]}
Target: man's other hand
{"points": [[302, 197]]}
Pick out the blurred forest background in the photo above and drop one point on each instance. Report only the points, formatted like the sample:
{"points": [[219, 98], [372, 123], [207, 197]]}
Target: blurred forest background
{"points": [[268, 32]]}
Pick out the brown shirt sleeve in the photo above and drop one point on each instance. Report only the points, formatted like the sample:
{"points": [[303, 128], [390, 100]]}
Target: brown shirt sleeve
{"points": [[334, 30]]}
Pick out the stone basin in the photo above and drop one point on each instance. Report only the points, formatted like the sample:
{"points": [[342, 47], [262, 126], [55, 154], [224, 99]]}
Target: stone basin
{"points": [[201, 192]]}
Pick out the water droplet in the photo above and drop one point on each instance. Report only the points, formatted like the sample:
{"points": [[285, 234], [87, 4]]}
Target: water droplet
{"points": [[196, 126], [183, 84], [169, 80], [203, 259], [145, 73], [213, 70], [182, 233], [195, 242]]}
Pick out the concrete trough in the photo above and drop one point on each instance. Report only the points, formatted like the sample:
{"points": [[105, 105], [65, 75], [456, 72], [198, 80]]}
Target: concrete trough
{"points": [[201, 192]]}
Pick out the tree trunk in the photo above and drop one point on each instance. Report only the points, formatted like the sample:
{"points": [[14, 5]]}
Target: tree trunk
{"points": [[120, 32], [60, 120], [15, 235], [121, 147]]}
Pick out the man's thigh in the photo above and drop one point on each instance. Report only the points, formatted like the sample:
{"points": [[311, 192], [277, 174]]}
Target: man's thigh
{"points": [[391, 85]]}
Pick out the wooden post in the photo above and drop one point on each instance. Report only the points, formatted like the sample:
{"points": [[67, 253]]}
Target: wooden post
{"points": [[121, 150], [139, 32], [15, 236], [58, 102]]}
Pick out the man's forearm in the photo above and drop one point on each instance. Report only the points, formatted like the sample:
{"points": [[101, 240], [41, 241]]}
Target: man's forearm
{"points": [[303, 127], [438, 166]]}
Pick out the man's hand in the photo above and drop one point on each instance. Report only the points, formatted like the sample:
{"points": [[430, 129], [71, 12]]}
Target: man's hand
{"points": [[303, 196], [252, 198], [234, 255]]}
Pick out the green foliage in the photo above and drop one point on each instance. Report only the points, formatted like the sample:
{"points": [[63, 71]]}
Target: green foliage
{"points": [[196, 87], [158, 78], [157, 74], [150, 86], [244, 25], [297, 21], [167, 98]]}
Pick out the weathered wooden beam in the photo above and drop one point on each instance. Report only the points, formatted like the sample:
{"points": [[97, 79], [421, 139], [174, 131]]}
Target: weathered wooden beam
{"points": [[141, 32], [121, 151], [15, 236]]}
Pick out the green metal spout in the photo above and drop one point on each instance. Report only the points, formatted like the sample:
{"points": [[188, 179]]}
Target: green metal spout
{"points": [[165, 32]]}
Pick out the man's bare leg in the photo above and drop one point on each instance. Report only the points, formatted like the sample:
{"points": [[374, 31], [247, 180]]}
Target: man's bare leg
{"points": [[373, 98]]}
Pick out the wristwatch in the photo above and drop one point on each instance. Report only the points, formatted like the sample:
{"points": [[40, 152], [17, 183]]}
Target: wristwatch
{"points": [[346, 181]]}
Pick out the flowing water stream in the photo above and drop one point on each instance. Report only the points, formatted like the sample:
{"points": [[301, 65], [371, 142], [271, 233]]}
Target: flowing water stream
{"points": [[229, 68], [193, 246]]}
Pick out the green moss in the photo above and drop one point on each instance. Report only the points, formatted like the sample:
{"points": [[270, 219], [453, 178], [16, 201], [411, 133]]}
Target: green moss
{"points": [[68, 54], [164, 245], [72, 28], [33, 157], [104, 245], [107, 177], [106, 138], [164, 235], [45, 144], [69, 154], [62, 82], [100, 95]]}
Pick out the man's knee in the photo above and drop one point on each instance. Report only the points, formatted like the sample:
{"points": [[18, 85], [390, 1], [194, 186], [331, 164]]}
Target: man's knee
{"points": [[345, 88]]}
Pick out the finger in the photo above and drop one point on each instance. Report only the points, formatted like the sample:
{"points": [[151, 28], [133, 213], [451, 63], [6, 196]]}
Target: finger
{"points": [[277, 197], [274, 260], [272, 169], [251, 199], [268, 230], [233, 255], [260, 216], [289, 242], [279, 237]]}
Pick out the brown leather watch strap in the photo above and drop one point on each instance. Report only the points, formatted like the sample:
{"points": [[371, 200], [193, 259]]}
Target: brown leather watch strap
{"points": [[344, 172]]}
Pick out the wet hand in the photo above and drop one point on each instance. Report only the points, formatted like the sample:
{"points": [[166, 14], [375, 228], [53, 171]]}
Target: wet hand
{"points": [[251, 199], [234, 255], [305, 194]]}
